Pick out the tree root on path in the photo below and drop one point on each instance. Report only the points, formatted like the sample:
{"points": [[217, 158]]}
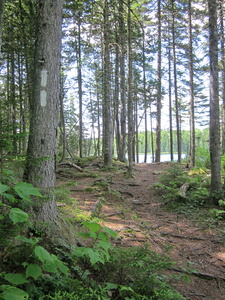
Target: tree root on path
{"points": [[201, 275]]}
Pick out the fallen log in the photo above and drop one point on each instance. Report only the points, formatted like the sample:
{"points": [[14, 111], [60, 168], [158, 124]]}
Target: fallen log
{"points": [[69, 164]]}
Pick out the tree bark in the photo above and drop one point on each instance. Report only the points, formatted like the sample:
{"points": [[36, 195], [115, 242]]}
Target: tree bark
{"points": [[175, 86], [129, 94], [107, 147], [192, 101], [121, 154], [214, 103], [222, 49], [159, 88], [170, 101], [2, 6], [80, 93], [41, 154]]}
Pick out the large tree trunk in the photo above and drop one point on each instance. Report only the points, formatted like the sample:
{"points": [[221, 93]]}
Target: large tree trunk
{"points": [[40, 167], [192, 102], [214, 103]]}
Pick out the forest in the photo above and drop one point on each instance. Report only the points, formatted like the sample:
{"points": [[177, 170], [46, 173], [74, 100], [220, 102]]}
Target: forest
{"points": [[92, 89]]}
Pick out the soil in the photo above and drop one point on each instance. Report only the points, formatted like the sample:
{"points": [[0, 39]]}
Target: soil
{"points": [[134, 211]]}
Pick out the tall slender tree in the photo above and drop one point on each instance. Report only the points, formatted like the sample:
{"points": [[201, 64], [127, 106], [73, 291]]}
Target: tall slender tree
{"points": [[222, 57], [191, 76], [2, 5], [177, 106], [107, 125], [129, 92], [159, 87], [214, 103]]}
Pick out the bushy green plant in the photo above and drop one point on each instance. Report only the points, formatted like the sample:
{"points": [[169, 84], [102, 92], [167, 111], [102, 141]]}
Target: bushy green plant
{"points": [[169, 189], [99, 250], [174, 176], [23, 260], [138, 268]]}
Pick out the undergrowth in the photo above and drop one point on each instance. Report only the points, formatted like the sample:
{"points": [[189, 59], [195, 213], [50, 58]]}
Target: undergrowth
{"points": [[94, 270], [197, 196]]}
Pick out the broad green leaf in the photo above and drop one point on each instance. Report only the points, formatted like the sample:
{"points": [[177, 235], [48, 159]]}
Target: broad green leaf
{"points": [[25, 190], [103, 236], [60, 265], [79, 251], [17, 215], [49, 266], [94, 256], [85, 235], [93, 226], [13, 293], [110, 232], [26, 240], [105, 245], [42, 254], [10, 197], [33, 271], [111, 286], [17, 278], [63, 268], [3, 188]]}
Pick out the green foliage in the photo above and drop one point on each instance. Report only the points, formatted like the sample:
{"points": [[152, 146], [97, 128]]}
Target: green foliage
{"points": [[202, 158], [174, 176], [171, 182], [28, 260], [99, 252]]}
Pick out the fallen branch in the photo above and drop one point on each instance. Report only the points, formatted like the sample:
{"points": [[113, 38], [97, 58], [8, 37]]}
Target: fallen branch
{"points": [[72, 165], [127, 193], [183, 236], [95, 210]]}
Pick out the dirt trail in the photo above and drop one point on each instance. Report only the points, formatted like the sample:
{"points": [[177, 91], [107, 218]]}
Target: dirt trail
{"points": [[139, 217]]}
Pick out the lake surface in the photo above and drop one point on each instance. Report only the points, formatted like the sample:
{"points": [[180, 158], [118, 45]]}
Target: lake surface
{"points": [[164, 157]]}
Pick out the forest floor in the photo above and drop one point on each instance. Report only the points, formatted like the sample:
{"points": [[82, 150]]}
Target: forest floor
{"points": [[139, 217]]}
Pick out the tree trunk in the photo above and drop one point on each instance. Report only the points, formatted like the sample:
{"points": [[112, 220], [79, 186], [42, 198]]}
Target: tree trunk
{"points": [[79, 80], [41, 161], [145, 98], [107, 148], [2, 5], [129, 94], [175, 88], [159, 88], [222, 49], [192, 102], [170, 101], [62, 120], [214, 103], [13, 101], [122, 154]]}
